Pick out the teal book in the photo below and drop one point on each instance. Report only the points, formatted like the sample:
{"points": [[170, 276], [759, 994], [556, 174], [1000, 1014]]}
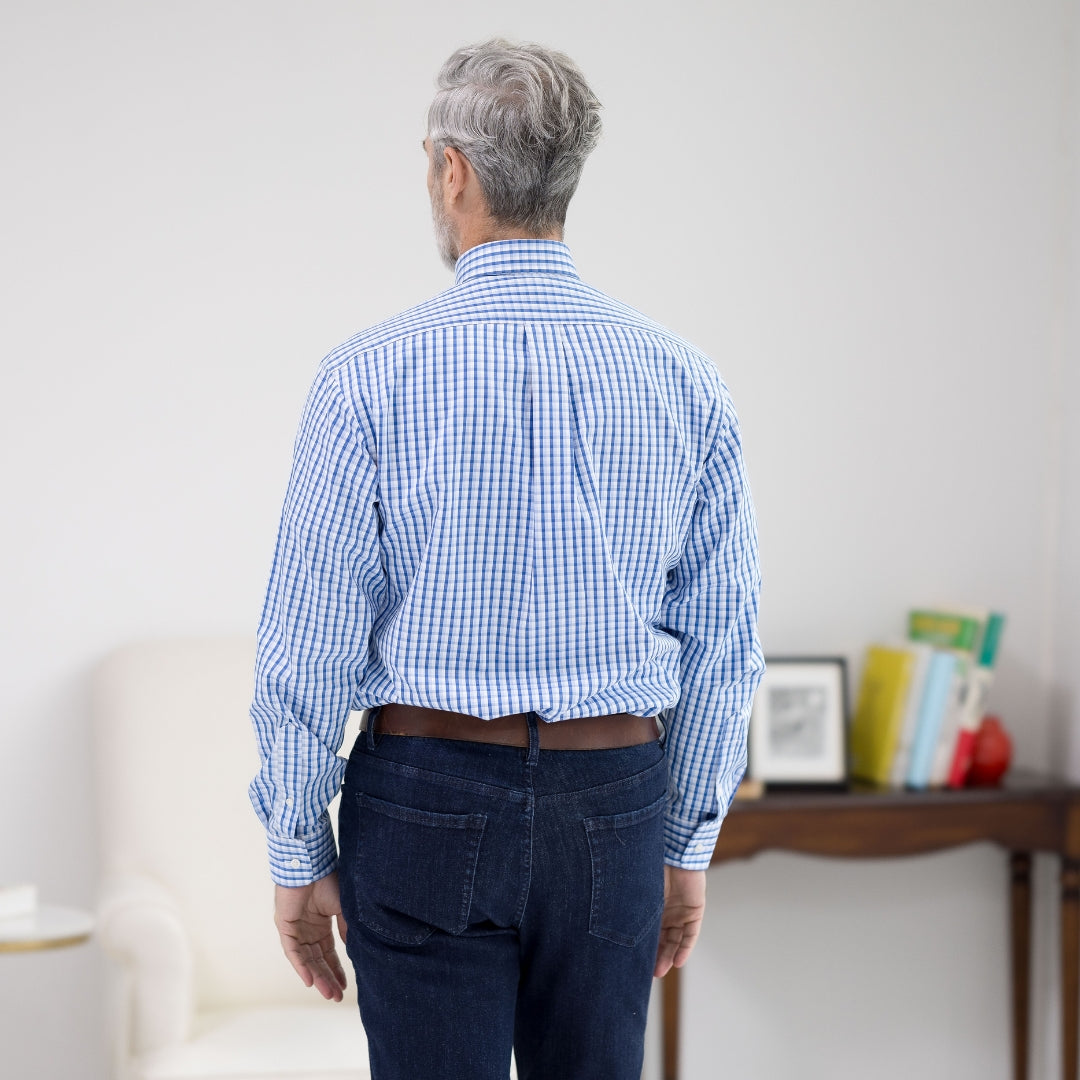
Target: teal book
{"points": [[921, 653], [937, 691]]}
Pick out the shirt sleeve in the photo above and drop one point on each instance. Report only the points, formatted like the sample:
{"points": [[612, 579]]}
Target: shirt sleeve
{"points": [[711, 607], [313, 635]]}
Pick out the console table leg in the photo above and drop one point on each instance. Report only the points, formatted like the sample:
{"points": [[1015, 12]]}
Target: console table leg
{"points": [[1020, 907], [1070, 962], [669, 986]]}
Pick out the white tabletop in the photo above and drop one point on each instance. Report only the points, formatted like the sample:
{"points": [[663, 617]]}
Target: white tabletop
{"points": [[48, 927]]}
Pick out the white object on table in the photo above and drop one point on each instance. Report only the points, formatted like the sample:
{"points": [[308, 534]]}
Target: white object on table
{"points": [[17, 900], [47, 927]]}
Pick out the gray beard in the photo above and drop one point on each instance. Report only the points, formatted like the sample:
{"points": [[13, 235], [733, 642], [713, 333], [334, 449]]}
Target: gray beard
{"points": [[444, 233]]}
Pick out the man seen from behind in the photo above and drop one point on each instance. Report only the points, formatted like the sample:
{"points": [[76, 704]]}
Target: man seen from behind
{"points": [[519, 536]]}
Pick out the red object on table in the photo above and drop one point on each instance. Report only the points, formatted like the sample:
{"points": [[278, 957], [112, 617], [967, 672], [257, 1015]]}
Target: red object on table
{"points": [[993, 752]]}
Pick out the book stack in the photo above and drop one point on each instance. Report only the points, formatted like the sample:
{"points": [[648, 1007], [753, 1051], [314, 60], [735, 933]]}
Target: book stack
{"points": [[921, 700]]}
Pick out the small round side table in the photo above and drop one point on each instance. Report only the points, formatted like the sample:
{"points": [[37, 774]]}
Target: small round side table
{"points": [[48, 927]]}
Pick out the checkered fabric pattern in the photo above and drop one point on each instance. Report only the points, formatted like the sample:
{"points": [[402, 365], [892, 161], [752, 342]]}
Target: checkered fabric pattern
{"points": [[520, 495]]}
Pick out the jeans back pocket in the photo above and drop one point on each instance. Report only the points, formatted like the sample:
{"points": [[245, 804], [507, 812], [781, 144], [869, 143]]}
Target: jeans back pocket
{"points": [[414, 869], [627, 852]]}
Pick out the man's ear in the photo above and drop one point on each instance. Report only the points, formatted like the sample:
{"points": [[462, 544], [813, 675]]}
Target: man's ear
{"points": [[456, 173]]}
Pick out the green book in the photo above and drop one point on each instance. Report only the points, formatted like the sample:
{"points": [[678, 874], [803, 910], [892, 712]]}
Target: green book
{"points": [[947, 629]]}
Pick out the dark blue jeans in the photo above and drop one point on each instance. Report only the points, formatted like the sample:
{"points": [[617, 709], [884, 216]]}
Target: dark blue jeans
{"points": [[498, 897]]}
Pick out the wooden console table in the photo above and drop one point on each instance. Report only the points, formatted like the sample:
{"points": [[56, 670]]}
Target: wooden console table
{"points": [[1028, 813]]}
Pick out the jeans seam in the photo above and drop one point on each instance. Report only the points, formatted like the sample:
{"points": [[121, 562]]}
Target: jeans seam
{"points": [[458, 783], [529, 813], [612, 787]]}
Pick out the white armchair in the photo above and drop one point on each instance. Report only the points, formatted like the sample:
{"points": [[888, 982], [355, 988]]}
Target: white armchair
{"points": [[199, 988]]}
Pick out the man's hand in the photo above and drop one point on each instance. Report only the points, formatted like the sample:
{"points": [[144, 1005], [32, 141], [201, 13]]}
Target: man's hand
{"points": [[302, 916], [684, 906]]}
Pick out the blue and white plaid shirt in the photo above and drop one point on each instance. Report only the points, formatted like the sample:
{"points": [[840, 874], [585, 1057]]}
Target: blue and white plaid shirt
{"points": [[520, 495]]}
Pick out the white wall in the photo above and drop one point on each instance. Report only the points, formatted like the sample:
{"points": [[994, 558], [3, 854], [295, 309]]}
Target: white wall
{"points": [[1064, 728], [861, 211], [1065, 714]]}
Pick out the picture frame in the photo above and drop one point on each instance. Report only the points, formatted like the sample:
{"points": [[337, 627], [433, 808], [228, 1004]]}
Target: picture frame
{"points": [[799, 724]]}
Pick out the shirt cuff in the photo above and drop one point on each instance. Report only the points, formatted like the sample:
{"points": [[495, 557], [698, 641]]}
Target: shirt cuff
{"points": [[690, 847], [300, 861]]}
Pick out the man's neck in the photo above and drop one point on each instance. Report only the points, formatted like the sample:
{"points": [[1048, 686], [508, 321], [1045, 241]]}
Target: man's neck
{"points": [[484, 232]]}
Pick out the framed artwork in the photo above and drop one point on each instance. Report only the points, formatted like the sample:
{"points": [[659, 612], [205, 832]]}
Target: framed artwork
{"points": [[798, 726]]}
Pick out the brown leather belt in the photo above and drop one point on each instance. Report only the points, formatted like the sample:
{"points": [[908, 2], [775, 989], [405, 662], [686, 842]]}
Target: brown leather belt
{"points": [[579, 733]]}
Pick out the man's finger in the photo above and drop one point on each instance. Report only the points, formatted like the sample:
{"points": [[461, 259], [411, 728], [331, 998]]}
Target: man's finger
{"points": [[299, 966], [330, 977], [338, 969], [316, 966], [686, 943], [670, 938], [326, 981]]}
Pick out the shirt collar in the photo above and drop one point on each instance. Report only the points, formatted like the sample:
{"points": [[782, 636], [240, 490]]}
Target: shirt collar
{"points": [[515, 257]]}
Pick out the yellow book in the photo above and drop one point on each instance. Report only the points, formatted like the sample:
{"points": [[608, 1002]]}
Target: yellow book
{"points": [[879, 711]]}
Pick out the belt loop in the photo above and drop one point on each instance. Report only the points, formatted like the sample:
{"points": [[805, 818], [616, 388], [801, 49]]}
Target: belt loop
{"points": [[534, 738], [369, 726]]}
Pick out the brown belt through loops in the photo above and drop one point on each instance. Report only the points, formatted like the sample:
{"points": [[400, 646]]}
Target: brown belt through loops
{"points": [[579, 733]]}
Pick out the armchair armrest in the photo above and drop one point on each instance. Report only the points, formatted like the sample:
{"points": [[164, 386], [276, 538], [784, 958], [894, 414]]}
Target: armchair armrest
{"points": [[140, 926]]}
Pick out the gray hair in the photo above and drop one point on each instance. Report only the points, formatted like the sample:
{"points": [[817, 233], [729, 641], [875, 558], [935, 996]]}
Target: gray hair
{"points": [[526, 120]]}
